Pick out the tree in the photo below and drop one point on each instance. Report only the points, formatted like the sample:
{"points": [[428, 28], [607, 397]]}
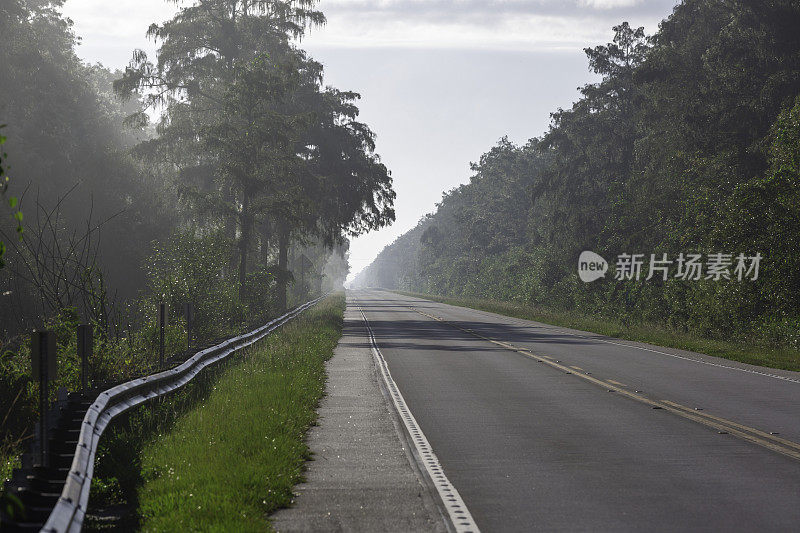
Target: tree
{"points": [[252, 131], [218, 75], [591, 147], [64, 127], [338, 186], [254, 142]]}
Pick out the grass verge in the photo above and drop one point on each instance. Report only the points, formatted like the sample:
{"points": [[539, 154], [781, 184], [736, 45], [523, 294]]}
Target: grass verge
{"points": [[755, 354], [230, 455]]}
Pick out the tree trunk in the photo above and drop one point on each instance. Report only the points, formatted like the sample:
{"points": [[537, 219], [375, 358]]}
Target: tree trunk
{"points": [[230, 233], [265, 236], [244, 242], [283, 265]]}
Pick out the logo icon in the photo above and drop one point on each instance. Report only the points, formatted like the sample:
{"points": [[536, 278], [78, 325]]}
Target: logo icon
{"points": [[591, 266]]}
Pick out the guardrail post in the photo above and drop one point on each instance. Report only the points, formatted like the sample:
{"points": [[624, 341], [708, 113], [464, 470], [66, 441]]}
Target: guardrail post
{"points": [[43, 368], [85, 348], [162, 319], [189, 320]]}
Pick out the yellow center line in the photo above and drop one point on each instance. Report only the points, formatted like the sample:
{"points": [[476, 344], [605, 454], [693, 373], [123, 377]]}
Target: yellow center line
{"points": [[758, 432], [761, 438]]}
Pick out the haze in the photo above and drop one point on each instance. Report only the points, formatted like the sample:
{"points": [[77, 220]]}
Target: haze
{"points": [[428, 74]]}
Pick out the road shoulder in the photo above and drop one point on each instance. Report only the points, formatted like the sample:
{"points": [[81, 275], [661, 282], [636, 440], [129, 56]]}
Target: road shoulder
{"points": [[361, 477]]}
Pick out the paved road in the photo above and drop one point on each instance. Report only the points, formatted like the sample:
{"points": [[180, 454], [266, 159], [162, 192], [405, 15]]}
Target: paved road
{"points": [[544, 428]]}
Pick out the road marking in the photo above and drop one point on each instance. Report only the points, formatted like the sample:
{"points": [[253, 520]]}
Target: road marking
{"points": [[753, 435], [576, 368], [617, 383], [457, 510], [525, 323], [763, 434]]}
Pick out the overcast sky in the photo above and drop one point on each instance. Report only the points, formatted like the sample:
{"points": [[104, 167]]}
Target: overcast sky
{"points": [[441, 80]]}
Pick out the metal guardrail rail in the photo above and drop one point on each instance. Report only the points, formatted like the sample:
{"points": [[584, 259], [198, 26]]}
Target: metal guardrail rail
{"points": [[69, 511]]}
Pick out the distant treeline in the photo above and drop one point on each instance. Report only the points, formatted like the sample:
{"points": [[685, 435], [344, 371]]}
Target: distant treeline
{"points": [[689, 144]]}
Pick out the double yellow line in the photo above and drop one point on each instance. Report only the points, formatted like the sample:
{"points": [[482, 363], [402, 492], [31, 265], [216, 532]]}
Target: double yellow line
{"points": [[722, 425]]}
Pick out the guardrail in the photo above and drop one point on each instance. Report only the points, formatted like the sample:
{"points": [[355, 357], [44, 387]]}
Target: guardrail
{"points": [[69, 511]]}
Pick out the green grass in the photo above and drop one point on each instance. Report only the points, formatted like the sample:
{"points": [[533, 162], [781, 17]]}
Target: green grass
{"points": [[753, 353], [234, 458]]}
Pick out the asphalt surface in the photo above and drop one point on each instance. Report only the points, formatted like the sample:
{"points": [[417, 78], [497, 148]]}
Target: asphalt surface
{"points": [[555, 429]]}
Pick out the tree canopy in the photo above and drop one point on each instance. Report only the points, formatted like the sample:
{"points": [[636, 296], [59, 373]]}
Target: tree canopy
{"points": [[256, 138]]}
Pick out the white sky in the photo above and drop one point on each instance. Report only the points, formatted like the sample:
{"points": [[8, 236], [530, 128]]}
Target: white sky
{"points": [[441, 80]]}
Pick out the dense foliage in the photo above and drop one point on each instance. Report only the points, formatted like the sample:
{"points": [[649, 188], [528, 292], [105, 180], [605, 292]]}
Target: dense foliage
{"points": [[69, 156], [239, 200], [260, 143], [689, 144]]}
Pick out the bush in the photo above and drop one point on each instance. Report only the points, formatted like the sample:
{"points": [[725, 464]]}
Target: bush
{"points": [[190, 269]]}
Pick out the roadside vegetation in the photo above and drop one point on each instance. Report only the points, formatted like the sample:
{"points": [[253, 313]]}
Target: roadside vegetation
{"points": [[224, 454], [219, 172], [659, 335], [690, 144]]}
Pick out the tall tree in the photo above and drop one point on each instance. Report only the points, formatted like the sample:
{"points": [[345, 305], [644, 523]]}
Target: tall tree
{"points": [[253, 132], [338, 187], [214, 57], [592, 144]]}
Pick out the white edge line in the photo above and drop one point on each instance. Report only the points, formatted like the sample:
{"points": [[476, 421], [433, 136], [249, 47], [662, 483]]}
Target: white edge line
{"points": [[527, 323], [457, 510]]}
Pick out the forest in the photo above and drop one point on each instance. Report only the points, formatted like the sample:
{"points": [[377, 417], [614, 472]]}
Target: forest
{"points": [[689, 144], [221, 173]]}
